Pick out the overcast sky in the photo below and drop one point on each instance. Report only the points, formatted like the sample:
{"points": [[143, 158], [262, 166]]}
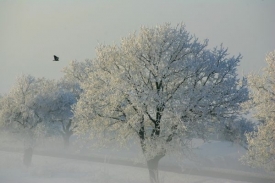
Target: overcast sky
{"points": [[31, 32]]}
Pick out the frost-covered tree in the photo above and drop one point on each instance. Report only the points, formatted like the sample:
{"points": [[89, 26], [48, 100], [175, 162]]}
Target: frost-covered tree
{"points": [[20, 106], [59, 97], [34, 103], [160, 86], [261, 143], [20, 111]]}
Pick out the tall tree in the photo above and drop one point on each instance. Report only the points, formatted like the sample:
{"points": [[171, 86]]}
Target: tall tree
{"points": [[162, 87], [261, 143]]}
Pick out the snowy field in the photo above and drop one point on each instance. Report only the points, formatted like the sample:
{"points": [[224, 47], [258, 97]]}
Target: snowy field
{"points": [[221, 156], [58, 170]]}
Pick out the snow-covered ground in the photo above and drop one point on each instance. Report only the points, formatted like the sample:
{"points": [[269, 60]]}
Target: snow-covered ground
{"points": [[59, 170], [216, 155]]}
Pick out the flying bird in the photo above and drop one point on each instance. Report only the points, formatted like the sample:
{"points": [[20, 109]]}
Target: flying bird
{"points": [[56, 58]]}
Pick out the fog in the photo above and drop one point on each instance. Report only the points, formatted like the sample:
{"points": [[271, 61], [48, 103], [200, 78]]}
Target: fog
{"points": [[215, 162]]}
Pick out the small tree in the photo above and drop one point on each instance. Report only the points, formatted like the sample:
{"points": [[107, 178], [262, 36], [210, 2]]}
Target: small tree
{"points": [[235, 130], [261, 143], [161, 86], [59, 97], [20, 111]]}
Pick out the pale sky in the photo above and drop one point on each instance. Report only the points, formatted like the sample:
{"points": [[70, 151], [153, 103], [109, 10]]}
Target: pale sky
{"points": [[31, 32]]}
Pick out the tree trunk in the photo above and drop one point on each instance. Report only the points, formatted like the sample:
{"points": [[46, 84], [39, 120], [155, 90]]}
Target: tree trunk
{"points": [[27, 157], [66, 133], [66, 140], [152, 165]]}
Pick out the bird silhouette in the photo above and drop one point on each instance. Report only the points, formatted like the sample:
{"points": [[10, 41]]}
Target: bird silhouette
{"points": [[56, 58]]}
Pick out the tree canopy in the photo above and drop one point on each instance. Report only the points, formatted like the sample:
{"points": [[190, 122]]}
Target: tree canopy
{"points": [[19, 106]]}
